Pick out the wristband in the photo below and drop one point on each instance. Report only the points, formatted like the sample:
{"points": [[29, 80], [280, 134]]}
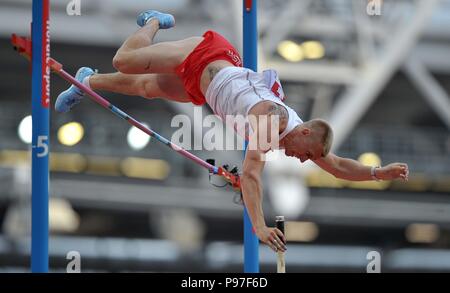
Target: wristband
{"points": [[373, 174]]}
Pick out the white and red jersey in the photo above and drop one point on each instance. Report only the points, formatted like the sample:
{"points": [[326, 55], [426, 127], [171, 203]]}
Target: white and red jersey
{"points": [[235, 90]]}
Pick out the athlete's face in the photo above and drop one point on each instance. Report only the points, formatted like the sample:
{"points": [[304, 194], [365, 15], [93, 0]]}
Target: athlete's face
{"points": [[303, 145]]}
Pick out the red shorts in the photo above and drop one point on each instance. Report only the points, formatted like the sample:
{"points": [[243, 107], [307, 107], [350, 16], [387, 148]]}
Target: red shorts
{"points": [[213, 47]]}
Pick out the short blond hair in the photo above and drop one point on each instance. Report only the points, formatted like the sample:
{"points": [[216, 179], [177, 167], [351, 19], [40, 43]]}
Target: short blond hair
{"points": [[324, 133]]}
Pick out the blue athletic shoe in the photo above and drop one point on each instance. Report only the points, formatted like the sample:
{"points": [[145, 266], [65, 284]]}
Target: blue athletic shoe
{"points": [[73, 95], [165, 20]]}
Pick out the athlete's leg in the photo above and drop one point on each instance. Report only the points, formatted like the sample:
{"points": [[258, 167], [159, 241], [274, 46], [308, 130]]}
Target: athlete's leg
{"points": [[137, 55], [166, 86], [143, 37]]}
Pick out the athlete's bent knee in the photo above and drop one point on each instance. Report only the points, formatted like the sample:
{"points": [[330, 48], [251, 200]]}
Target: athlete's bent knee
{"points": [[121, 62]]}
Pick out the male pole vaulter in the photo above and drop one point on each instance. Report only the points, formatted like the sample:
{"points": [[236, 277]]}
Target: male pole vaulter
{"points": [[208, 69]]}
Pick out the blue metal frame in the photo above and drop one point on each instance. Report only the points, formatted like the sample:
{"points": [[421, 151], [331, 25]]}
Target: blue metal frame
{"points": [[40, 143], [251, 242]]}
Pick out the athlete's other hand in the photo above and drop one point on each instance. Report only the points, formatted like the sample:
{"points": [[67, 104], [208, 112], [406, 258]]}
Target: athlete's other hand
{"points": [[393, 171], [272, 237]]}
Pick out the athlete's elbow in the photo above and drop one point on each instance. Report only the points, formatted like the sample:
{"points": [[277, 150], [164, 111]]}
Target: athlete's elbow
{"points": [[340, 176], [337, 174]]}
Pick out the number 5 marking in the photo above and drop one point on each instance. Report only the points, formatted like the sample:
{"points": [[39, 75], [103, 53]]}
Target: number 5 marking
{"points": [[42, 143]]}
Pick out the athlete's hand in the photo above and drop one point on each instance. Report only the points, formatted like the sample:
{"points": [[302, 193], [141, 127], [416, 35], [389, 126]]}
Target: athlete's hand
{"points": [[393, 171], [272, 237]]}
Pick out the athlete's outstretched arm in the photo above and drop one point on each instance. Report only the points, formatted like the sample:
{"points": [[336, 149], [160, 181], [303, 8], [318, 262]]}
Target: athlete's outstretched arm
{"points": [[352, 170]]}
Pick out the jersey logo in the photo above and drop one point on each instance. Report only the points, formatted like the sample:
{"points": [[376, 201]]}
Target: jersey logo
{"points": [[273, 83], [235, 57], [275, 89]]}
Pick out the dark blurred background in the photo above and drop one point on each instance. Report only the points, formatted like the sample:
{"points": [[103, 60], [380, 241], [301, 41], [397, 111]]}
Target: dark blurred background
{"points": [[126, 204]]}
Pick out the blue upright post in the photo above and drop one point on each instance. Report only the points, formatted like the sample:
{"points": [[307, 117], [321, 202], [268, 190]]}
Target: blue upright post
{"points": [[40, 97], [251, 242]]}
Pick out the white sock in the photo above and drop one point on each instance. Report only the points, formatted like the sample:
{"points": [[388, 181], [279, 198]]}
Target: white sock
{"points": [[86, 81], [148, 20]]}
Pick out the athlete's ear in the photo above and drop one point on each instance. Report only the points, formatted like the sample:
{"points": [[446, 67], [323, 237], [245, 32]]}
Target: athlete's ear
{"points": [[306, 131]]}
